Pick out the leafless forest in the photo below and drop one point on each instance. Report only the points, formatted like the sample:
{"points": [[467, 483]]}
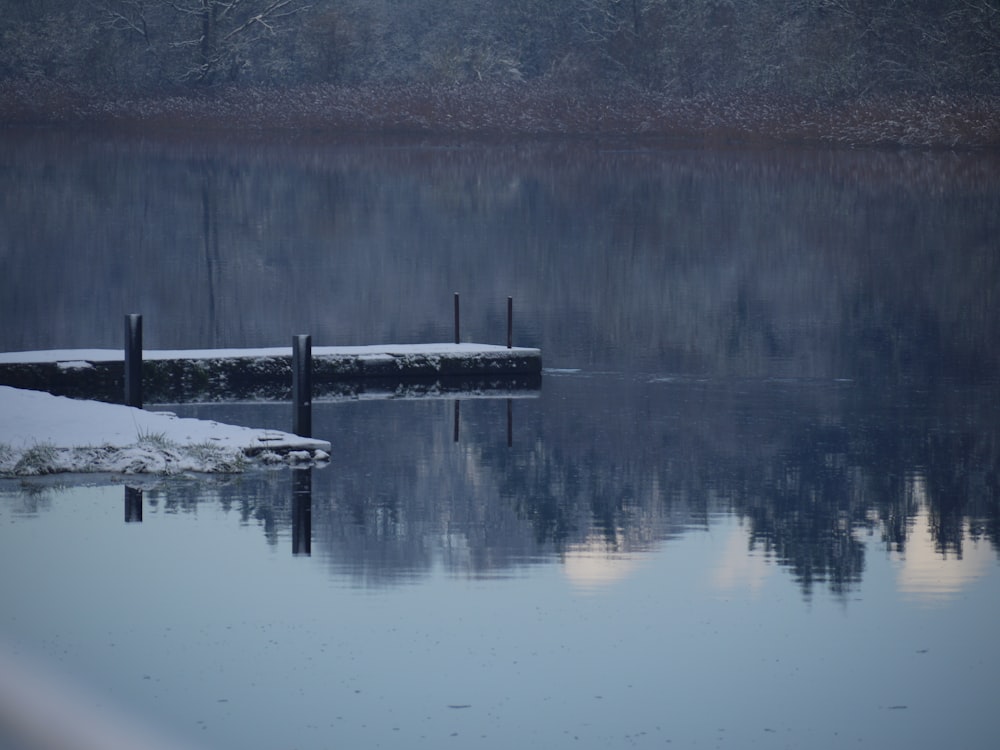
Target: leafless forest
{"points": [[916, 72]]}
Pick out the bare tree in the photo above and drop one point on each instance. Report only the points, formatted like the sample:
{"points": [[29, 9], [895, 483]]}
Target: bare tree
{"points": [[227, 30], [215, 39], [128, 16]]}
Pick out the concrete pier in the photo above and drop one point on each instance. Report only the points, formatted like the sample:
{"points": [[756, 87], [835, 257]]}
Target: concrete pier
{"points": [[223, 374]]}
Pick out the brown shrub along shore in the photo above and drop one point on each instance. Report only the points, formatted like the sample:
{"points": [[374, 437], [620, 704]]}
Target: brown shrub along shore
{"points": [[525, 109]]}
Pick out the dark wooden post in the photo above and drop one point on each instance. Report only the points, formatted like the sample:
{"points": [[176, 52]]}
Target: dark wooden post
{"points": [[302, 511], [133, 505], [302, 385], [457, 337], [133, 360], [510, 322]]}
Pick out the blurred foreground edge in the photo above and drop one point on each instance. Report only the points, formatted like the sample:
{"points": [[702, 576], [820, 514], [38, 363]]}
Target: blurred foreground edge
{"points": [[41, 710]]}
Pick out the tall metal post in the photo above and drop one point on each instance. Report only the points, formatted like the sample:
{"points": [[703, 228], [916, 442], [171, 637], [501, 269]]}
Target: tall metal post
{"points": [[133, 360], [457, 337], [302, 385], [510, 322]]}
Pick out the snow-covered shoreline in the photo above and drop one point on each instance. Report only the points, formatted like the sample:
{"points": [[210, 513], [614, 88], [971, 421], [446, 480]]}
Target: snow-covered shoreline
{"points": [[45, 434]]}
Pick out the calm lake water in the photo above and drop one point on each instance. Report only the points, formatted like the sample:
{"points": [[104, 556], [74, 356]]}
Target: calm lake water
{"points": [[755, 503]]}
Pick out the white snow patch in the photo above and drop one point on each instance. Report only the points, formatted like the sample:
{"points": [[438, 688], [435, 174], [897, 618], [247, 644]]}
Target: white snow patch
{"points": [[43, 434], [75, 364]]}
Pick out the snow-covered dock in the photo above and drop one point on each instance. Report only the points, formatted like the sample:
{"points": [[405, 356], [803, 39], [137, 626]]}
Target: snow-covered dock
{"points": [[213, 374]]}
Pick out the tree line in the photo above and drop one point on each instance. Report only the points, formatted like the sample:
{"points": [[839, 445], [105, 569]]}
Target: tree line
{"points": [[819, 49]]}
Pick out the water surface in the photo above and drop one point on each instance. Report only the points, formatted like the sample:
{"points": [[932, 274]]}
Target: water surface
{"points": [[754, 503]]}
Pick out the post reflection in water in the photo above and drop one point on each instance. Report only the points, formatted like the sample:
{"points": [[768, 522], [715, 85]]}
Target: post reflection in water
{"points": [[510, 423], [302, 511], [133, 504], [456, 418]]}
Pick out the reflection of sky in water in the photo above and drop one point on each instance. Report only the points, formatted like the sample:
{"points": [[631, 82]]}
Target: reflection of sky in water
{"points": [[923, 572], [739, 568], [193, 622], [931, 576], [591, 566]]}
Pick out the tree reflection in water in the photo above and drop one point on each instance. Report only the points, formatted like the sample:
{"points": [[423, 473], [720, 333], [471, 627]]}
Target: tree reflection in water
{"points": [[820, 475]]}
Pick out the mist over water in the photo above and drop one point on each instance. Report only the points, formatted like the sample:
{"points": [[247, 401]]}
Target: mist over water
{"points": [[755, 500], [761, 262]]}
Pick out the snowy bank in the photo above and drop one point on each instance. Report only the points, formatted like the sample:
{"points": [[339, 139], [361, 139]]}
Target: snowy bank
{"points": [[45, 434]]}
